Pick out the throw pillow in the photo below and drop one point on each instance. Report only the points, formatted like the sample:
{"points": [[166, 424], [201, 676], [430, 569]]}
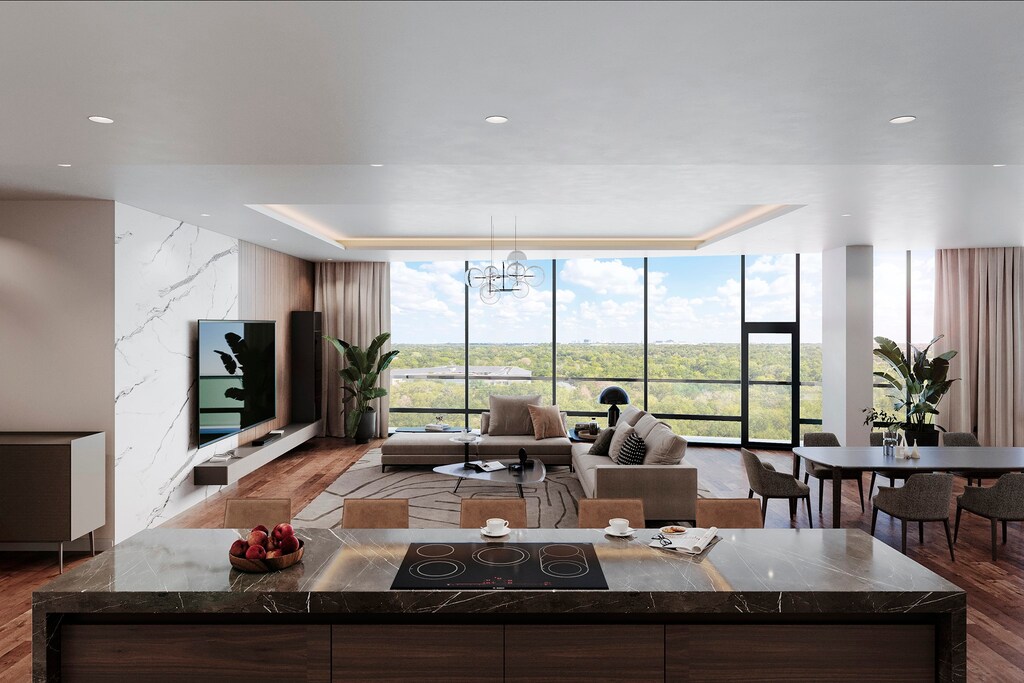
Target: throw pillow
{"points": [[645, 424], [618, 438], [632, 451], [547, 422], [485, 420], [664, 447], [602, 442], [510, 416], [630, 415]]}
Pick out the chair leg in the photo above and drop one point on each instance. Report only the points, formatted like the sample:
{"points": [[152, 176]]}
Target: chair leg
{"points": [[874, 518], [750, 493], [949, 540], [810, 517], [994, 556], [1004, 533], [821, 494], [903, 531], [860, 489], [805, 477], [920, 532], [892, 481], [956, 529], [764, 509], [792, 507], [871, 489]]}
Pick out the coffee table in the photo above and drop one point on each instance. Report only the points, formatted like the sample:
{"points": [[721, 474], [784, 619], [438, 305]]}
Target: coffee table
{"points": [[531, 475]]}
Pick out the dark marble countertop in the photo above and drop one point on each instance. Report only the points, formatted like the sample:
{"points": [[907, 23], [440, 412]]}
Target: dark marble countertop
{"points": [[801, 571]]}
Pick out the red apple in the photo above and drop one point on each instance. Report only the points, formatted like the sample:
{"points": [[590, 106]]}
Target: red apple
{"points": [[257, 537], [255, 552], [271, 545], [260, 527], [288, 545], [238, 548], [283, 530], [273, 553]]}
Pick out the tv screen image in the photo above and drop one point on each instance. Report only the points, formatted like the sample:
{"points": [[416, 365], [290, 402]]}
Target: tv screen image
{"points": [[237, 376]]}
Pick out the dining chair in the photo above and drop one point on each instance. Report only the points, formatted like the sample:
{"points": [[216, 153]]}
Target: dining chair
{"points": [[766, 482], [1001, 502], [729, 513], [875, 439], [375, 513], [923, 498], [966, 440], [594, 513], [823, 473], [475, 512], [246, 513]]}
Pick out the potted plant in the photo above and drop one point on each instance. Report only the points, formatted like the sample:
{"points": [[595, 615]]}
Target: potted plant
{"points": [[359, 383], [916, 388]]}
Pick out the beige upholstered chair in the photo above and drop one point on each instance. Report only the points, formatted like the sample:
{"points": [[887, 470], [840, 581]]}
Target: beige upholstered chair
{"points": [[595, 512], [729, 513], [892, 475], [967, 440], [924, 498], [245, 513], [1000, 503], [375, 513], [821, 472], [767, 483], [476, 511]]}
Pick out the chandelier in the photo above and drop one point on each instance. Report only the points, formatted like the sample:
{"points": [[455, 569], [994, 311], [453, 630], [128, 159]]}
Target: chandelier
{"points": [[513, 277]]}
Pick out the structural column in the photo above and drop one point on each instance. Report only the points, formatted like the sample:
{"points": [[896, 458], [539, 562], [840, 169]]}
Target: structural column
{"points": [[847, 321]]}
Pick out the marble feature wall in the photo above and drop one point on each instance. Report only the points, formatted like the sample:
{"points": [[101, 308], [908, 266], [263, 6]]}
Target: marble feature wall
{"points": [[168, 275]]}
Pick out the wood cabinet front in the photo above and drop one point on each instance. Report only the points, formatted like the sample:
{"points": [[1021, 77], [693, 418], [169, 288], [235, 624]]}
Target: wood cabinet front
{"points": [[594, 653]]}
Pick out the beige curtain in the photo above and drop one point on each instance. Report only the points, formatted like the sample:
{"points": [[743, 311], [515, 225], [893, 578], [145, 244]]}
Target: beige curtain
{"points": [[355, 299], [979, 306]]}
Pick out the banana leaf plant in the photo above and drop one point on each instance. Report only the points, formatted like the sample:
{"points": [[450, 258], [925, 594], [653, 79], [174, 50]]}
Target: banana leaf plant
{"points": [[916, 387], [360, 376]]}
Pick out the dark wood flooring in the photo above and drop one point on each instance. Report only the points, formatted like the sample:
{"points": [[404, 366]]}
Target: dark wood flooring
{"points": [[995, 650]]}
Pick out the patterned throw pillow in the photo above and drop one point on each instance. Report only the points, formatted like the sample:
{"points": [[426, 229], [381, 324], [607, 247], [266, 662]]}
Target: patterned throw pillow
{"points": [[632, 451], [602, 442]]}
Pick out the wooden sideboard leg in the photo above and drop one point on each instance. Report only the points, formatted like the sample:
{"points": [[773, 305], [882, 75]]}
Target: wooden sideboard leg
{"points": [[60, 556], [92, 542]]}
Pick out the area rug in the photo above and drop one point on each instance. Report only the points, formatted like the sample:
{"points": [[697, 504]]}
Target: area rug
{"points": [[432, 501]]}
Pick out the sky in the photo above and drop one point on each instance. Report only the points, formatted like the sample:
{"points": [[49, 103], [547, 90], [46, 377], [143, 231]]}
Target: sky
{"points": [[694, 299]]}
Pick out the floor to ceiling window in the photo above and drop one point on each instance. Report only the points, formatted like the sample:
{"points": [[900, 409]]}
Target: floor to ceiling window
{"points": [[810, 342]]}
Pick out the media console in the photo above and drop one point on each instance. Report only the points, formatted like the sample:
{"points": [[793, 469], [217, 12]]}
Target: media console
{"points": [[248, 459]]}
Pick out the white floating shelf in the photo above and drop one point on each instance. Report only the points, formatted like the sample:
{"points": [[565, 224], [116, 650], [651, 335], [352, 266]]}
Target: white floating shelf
{"points": [[250, 458]]}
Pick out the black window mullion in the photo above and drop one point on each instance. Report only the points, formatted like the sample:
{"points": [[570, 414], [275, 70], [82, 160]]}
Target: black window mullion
{"points": [[646, 337], [465, 354]]}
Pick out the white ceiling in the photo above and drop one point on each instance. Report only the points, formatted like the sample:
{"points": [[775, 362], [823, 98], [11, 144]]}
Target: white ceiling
{"points": [[642, 119]]}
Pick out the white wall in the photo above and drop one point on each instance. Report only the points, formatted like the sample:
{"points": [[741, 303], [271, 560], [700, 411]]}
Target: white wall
{"points": [[846, 342], [57, 321], [169, 274]]}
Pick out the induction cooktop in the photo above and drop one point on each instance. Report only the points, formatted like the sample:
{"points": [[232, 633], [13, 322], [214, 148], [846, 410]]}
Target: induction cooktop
{"points": [[500, 566]]}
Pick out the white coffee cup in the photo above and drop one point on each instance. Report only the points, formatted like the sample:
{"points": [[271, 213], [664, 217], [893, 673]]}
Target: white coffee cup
{"points": [[619, 525], [497, 525]]}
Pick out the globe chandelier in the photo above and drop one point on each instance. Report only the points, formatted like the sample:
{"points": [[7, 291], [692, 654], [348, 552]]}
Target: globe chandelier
{"points": [[513, 277]]}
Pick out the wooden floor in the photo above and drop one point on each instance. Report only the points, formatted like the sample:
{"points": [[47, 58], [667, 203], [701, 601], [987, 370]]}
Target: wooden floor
{"points": [[995, 649]]}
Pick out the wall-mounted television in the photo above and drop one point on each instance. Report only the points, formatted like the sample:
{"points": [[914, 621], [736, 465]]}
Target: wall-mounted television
{"points": [[237, 377]]}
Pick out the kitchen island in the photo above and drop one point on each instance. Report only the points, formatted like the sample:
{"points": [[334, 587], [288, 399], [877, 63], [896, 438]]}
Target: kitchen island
{"points": [[772, 604]]}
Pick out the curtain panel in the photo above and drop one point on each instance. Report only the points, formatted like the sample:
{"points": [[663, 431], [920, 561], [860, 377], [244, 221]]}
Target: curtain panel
{"points": [[979, 306], [355, 300]]}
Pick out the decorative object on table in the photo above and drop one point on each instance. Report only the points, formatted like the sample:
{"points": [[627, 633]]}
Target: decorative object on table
{"points": [[360, 377], [266, 551], [614, 397], [590, 427], [514, 277], [438, 425], [890, 437], [916, 388]]}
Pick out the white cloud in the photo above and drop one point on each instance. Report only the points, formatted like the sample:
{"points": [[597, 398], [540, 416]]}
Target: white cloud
{"points": [[566, 296], [608, 276]]}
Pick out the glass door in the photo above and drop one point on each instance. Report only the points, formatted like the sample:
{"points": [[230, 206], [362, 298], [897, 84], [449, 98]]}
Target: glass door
{"points": [[770, 395]]}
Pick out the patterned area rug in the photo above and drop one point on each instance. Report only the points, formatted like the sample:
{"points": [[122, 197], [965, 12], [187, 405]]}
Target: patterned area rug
{"points": [[432, 502]]}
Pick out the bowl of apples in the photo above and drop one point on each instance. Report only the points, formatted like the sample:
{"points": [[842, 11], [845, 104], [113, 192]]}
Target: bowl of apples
{"points": [[266, 551]]}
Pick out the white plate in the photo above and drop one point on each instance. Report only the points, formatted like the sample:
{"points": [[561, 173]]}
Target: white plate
{"points": [[628, 532], [485, 532], [666, 530]]}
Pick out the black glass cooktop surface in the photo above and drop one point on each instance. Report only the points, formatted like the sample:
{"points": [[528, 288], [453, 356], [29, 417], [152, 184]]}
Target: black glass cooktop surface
{"points": [[500, 566]]}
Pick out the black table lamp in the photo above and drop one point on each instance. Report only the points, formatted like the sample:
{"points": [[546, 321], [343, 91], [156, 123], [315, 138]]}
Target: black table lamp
{"points": [[613, 396]]}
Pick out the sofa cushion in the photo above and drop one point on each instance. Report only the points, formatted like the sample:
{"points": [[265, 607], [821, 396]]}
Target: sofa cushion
{"points": [[632, 451], [508, 446], [547, 421], [664, 447], [602, 442], [586, 470], [645, 424], [485, 420], [510, 416], [619, 438], [630, 416]]}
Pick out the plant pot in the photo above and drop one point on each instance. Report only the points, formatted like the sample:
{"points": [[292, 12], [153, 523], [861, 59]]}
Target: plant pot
{"points": [[925, 435], [367, 426]]}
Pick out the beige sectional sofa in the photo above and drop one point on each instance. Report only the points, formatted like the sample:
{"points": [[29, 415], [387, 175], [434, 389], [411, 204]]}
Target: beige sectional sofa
{"points": [[669, 492]]}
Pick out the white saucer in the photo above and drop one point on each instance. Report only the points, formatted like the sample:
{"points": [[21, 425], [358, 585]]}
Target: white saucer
{"points": [[628, 532], [487, 533]]}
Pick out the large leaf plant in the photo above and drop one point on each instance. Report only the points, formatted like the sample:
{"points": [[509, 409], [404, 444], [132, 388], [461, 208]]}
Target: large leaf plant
{"points": [[360, 376], [916, 387]]}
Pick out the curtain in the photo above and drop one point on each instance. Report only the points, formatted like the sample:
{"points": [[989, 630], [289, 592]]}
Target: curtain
{"points": [[979, 306], [355, 300]]}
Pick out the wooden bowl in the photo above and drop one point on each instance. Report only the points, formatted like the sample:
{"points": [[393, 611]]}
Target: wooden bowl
{"points": [[272, 564]]}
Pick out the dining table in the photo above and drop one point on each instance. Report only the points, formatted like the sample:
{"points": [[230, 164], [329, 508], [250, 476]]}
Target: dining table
{"points": [[963, 459]]}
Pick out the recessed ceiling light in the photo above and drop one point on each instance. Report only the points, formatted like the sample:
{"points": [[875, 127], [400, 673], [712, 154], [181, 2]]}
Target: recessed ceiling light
{"points": [[496, 119], [205, 215], [846, 215], [993, 165], [64, 165], [330, 259], [903, 119], [100, 119], [376, 165], [273, 239]]}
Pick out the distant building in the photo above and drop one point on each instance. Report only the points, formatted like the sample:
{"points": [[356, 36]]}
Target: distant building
{"points": [[498, 374]]}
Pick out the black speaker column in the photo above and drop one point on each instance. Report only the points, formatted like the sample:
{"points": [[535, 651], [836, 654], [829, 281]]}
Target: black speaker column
{"points": [[306, 365]]}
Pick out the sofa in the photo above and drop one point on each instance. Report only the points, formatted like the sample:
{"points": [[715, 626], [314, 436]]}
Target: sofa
{"points": [[669, 491]]}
